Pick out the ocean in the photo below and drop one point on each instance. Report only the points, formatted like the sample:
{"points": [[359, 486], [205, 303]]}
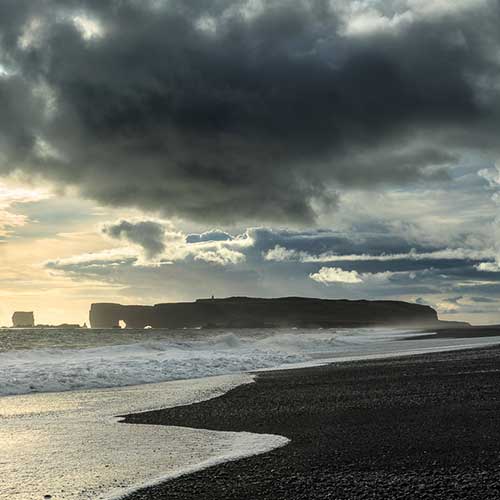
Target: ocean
{"points": [[52, 360]]}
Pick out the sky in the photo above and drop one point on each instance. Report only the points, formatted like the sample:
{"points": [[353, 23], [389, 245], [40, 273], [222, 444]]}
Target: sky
{"points": [[165, 150]]}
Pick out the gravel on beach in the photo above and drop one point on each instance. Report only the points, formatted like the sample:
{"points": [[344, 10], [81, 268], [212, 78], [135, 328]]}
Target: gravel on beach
{"points": [[425, 427]]}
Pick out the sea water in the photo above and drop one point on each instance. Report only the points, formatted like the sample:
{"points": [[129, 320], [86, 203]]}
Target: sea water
{"points": [[62, 391], [38, 360]]}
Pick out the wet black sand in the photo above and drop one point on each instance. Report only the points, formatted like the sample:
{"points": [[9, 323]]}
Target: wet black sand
{"points": [[425, 427]]}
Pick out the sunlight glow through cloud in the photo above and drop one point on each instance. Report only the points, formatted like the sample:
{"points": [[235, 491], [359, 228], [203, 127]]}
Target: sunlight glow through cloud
{"points": [[9, 197], [88, 27]]}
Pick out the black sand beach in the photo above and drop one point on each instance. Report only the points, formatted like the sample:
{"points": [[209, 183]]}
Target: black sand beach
{"points": [[422, 427]]}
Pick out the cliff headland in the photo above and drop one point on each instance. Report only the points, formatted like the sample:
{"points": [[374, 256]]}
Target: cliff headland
{"points": [[245, 312]]}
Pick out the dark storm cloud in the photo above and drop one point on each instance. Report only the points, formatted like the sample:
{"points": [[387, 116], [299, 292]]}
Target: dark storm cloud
{"points": [[149, 235], [214, 112]]}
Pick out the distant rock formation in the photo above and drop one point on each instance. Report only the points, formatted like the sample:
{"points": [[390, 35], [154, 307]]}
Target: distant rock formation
{"points": [[23, 319], [244, 312]]}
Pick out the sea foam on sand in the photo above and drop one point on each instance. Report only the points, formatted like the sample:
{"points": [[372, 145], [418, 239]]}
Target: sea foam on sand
{"points": [[71, 445]]}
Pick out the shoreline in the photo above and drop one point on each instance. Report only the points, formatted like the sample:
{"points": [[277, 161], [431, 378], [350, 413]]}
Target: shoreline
{"points": [[246, 441], [468, 332], [409, 426]]}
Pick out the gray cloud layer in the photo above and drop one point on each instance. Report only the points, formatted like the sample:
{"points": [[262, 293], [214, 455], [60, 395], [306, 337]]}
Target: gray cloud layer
{"points": [[231, 110]]}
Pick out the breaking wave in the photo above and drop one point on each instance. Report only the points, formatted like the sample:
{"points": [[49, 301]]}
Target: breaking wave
{"points": [[62, 369], [145, 357]]}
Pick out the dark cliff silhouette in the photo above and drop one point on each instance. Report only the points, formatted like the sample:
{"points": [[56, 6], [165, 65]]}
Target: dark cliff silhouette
{"points": [[243, 312]]}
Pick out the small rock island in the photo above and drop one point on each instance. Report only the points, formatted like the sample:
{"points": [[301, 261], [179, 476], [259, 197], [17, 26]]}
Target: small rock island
{"points": [[23, 319], [245, 312]]}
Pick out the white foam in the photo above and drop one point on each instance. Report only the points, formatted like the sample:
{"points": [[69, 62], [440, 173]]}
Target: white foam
{"points": [[71, 446], [56, 369], [245, 444]]}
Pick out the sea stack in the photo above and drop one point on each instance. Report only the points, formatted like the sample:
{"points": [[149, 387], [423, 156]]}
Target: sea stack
{"points": [[23, 319]]}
